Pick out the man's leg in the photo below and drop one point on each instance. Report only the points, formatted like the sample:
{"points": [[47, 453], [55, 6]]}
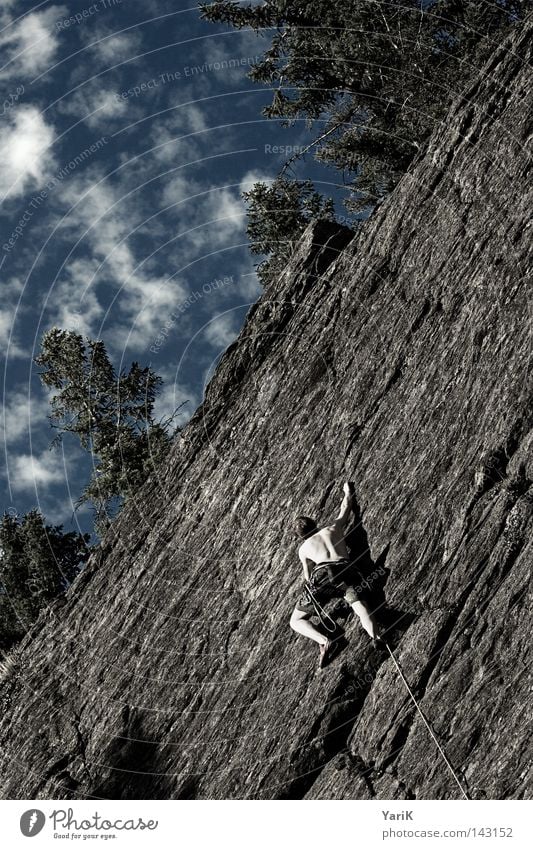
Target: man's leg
{"points": [[367, 620], [301, 624]]}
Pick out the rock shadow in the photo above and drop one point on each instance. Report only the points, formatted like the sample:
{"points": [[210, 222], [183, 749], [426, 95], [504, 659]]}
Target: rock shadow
{"points": [[131, 766], [371, 577]]}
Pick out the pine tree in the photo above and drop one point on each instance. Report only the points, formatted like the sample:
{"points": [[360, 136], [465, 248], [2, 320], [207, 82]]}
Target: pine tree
{"points": [[375, 76], [38, 563], [110, 413]]}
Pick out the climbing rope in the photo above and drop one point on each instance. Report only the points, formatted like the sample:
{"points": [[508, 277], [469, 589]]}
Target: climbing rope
{"points": [[426, 723], [319, 610]]}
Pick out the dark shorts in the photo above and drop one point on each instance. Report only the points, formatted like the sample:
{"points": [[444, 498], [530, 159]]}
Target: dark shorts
{"points": [[331, 580]]}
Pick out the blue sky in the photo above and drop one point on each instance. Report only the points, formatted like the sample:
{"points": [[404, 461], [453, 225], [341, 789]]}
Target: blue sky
{"points": [[128, 132]]}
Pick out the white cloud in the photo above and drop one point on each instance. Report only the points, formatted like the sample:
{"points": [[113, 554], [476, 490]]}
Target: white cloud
{"points": [[30, 43], [171, 397], [221, 331], [230, 208], [6, 323], [144, 300], [251, 177], [166, 132], [212, 222], [223, 62], [29, 471], [240, 50], [193, 119], [178, 189], [11, 290], [63, 511], [116, 48], [248, 285], [76, 304], [209, 220], [97, 107], [212, 217], [167, 149], [21, 412], [25, 140], [143, 314]]}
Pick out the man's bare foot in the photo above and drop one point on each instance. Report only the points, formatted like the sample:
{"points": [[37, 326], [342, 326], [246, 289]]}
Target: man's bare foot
{"points": [[379, 641]]}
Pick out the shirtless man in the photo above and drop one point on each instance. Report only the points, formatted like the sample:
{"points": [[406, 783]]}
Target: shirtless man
{"points": [[325, 550]]}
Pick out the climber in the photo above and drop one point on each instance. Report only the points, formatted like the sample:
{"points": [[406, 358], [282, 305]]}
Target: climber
{"points": [[326, 549]]}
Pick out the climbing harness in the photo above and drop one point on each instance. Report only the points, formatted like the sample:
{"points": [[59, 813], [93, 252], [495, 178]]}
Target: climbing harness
{"points": [[426, 723], [322, 614], [324, 581]]}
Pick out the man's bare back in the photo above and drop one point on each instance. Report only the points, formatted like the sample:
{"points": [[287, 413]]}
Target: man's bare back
{"points": [[326, 545]]}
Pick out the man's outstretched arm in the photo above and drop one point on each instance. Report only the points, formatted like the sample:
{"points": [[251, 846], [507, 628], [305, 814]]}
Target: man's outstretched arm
{"points": [[346, 506]]}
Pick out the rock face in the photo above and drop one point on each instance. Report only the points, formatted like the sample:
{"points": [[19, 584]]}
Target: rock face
{"points": [[398, 359]]}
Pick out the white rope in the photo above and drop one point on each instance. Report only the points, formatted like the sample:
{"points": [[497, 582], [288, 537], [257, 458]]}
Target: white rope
{"points": [[319, 610], [426, 723]]}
